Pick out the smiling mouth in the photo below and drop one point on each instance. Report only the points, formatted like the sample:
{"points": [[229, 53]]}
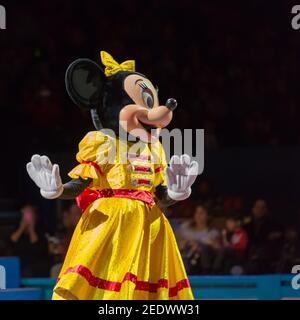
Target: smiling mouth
{"points": [[148, 127]]}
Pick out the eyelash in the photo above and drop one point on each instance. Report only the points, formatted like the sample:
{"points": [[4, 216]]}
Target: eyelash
{"points": [[143, 85], [145, 88]]}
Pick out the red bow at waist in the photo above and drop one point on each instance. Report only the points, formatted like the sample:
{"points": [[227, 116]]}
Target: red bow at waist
{"points": [[88, 196]]}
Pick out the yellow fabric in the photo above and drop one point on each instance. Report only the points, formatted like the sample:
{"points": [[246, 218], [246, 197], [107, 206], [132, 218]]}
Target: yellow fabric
{"points": [[112, 66], [84, 171], [119, 236], [93, 148], [96, 147]]}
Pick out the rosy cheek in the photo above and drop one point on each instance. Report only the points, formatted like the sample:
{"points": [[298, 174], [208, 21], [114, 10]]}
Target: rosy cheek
{"points": [[129, 116]]}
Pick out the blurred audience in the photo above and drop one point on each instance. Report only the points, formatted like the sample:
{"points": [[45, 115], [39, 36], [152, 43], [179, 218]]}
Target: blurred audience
{"points": [[41, 255], [199, 241], [290, 252], [235, 243], [232, 254], [29, 243]]}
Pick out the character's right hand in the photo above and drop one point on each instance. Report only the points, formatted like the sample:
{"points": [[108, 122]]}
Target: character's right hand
{"points": [[46, 176]]}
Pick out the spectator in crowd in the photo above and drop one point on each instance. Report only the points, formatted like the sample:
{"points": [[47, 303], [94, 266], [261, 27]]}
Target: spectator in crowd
{"points": [[265, 239], [29, 243], [200, 242], [231, 256]]}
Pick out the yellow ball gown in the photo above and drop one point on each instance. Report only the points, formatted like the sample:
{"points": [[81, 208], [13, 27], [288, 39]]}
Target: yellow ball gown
{"points": [[123, 246]]}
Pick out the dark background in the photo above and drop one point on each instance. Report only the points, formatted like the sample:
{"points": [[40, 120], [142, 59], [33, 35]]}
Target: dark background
{"points": [[233, 66]]}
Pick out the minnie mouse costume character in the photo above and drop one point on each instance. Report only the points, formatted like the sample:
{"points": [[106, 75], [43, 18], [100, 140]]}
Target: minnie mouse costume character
{"points": [[123, 246]]}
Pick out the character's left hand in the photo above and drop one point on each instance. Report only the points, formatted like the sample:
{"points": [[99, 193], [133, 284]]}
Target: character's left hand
{"points": [[180, 176]]}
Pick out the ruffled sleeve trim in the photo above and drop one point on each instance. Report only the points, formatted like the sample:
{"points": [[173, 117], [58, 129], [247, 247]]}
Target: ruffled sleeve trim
{"points": [[91, 150], [85, 170]]}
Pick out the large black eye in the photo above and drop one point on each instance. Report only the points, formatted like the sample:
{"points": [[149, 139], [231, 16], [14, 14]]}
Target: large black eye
{"points": [[148, 98]]}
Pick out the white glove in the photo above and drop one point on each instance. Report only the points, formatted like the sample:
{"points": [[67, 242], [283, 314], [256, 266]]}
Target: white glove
{"points": [[180, 176], [46, 176]]}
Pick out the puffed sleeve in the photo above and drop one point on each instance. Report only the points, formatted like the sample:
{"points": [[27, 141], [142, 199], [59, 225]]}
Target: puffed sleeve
{"points": [[92, 155], [160, 164]]}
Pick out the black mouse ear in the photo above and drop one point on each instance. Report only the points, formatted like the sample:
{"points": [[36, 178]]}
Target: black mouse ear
{"points": [[84, 83]]}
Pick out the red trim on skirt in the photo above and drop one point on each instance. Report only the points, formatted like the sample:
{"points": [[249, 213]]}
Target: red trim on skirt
{"points": [[116, 286]]}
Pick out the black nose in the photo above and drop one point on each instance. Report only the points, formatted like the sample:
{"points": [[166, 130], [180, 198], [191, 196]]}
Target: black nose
{"points": [[171, 104]]}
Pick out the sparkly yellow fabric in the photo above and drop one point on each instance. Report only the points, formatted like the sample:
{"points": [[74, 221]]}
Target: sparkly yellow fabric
{"points": [[112, 66], [122, 248]]}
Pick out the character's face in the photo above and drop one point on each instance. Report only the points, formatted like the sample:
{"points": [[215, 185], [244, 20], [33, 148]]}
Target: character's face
{"points": [[125, 100], [232, 224], [259, 209], [28, 215], [200, 215], [145, 117]]}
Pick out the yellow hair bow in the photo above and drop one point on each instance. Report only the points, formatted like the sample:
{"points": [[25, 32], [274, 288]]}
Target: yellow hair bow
{"points": [[112, 66]]}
